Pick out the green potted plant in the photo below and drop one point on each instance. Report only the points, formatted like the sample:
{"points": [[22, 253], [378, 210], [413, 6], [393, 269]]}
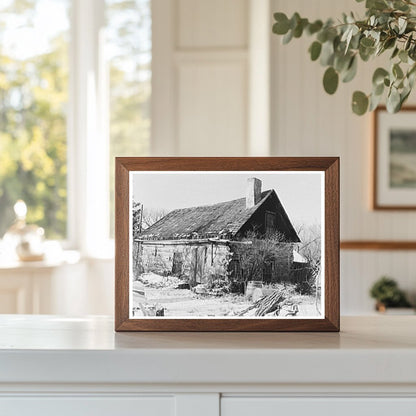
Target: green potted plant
{"points": [[389, 27], [387, 294]]}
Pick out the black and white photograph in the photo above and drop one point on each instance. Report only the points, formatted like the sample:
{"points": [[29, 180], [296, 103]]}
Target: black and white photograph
{"points": [[226, 245]]}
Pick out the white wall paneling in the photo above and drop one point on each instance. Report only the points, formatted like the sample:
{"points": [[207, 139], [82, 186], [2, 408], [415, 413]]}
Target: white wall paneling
{"points": [[163, 128], [208, 99], [212, 102], [308, 122], [360, 269], [212, 24]]}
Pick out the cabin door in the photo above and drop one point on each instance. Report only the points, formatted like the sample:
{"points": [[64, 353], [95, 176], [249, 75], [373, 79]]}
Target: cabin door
{"points": [[198, 265], [177, 264]]}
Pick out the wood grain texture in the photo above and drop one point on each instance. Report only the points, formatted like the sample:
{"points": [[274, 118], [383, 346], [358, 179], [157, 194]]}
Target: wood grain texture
{"points": [[121, 244], [378, 245], [376, 204], [332, 225], [329, 165]]}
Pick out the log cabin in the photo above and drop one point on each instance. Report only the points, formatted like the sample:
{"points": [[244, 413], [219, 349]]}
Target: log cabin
{"points": [[204, 242]]}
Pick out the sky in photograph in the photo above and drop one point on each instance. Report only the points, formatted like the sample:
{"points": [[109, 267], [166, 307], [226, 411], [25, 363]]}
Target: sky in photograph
{"points": [[299, 193]]}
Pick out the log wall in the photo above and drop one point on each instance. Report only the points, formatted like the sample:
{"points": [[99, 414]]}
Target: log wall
{"points": [[199, 262], [202, 262]]}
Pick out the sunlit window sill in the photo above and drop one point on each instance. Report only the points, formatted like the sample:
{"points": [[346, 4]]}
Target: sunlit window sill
{"points": [[55, 257], [7, 262]]}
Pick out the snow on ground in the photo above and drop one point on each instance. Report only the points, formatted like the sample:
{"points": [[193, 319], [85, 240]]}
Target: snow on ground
{"points": [[186, 303], [156, 281]]}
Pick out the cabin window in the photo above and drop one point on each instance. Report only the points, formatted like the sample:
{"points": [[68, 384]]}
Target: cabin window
{"points": [[235, 269], [270, 222]]}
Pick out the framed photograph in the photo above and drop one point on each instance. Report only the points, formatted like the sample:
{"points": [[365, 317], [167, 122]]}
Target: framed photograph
{"points": [[227, 244], [394, 179]]}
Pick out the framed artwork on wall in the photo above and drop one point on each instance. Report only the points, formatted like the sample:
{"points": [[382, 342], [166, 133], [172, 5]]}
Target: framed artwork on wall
{"points": [[394, 177], [227, 244]]}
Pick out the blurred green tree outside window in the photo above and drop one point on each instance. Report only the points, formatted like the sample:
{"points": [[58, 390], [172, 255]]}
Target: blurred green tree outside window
{"points": [[34, 85], [33, 100]]}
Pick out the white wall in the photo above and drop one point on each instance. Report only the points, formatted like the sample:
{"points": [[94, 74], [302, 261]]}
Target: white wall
{"points": [[201, 83], [308, 122]]}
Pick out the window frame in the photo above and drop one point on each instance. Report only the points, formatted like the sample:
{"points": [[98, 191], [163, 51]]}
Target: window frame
{"points": [[87, 129], [87, 133], [267, 216]]}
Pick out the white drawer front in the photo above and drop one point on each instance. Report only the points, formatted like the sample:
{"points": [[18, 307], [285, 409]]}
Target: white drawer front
{"points": [[87, 406], [273, 406]]}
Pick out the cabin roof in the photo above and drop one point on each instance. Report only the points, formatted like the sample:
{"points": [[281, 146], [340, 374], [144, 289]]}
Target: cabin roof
{"points": [[222, 220]]}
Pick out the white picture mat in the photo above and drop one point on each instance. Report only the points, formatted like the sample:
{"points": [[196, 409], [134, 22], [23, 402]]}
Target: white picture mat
{"points": [[251, 173]]}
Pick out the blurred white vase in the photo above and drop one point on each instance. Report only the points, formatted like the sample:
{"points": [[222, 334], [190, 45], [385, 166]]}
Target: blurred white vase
{"points": [[23, 240]]}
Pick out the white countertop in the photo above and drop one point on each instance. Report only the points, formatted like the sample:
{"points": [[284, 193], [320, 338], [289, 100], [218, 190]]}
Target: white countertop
{"points": [[52, 349]]}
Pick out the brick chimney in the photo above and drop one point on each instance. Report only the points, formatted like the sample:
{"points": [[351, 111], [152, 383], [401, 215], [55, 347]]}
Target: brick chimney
{"points": [[253, 193]]}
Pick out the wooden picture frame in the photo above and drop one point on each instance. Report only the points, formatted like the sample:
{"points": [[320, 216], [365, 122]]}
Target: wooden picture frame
{"points": [[138, 173], [394, 184]]}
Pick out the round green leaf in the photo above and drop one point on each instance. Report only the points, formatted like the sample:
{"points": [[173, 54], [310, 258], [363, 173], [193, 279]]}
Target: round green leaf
{"points": [[288, 37], [374, 102], [322, 36], [327, 54], [281, 27], [393, 101], [314, 27], [330, 80], [376, 4], [397, 71], [379, 75], [389, 43], [367, 42], [300, 25], [403, 96], [395, 52], [342, 61], [315, 50], [359, 103], [366, 53], [378, 90], [294, 20], [403, 55], [351, 71]]}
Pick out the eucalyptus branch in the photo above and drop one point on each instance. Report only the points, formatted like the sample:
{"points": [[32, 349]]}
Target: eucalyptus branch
{"points": [[388, 26]]}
